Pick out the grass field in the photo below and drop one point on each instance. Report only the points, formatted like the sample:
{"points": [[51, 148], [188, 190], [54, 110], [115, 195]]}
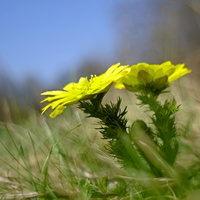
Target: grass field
{"points": [[65, 157]]}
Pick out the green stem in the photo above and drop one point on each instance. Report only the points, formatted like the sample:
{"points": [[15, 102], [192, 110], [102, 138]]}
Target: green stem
{"points": [[149, 149], [113, 128], [136, 158], [164, 121]]}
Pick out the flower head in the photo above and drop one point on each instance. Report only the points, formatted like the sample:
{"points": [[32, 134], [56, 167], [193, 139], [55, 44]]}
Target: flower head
{"points": [[83, 90], [144, 77]]}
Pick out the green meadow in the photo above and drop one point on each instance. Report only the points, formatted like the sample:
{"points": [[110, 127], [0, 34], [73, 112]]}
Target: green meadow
{"points": [[66, 157]]}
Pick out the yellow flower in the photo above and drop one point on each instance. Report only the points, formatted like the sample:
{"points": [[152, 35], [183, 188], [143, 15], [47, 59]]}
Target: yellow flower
{"points": [[144, 77], [83, 90]]}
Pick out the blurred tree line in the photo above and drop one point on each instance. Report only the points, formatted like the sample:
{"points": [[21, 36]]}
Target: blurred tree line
{"points": [[146, 31], [159, 30]]}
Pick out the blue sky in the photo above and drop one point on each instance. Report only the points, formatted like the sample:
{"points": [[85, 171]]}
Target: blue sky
{"points": [[42, 38]]}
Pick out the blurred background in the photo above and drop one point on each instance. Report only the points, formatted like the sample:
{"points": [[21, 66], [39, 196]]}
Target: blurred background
{"points": [[46, 44]]}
